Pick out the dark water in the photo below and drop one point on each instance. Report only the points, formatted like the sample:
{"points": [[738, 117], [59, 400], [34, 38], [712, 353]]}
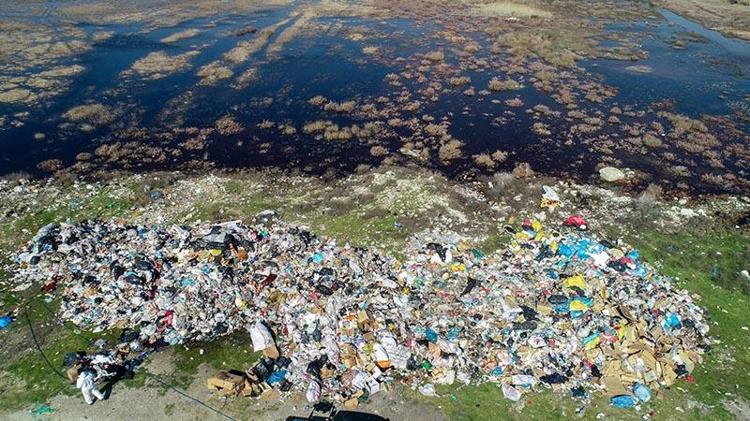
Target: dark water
{"points": [[708, 75]]}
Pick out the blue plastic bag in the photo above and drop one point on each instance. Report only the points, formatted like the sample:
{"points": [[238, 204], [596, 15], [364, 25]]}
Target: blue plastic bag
{"points": [[671, 322], [641, 392], [276, 377], [623, 401], [431, 335], [5, 321]]}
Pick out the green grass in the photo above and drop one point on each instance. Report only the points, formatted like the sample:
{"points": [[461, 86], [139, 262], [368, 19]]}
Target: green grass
{"points": [[234, 207], [29, 367], [360, 228], [228, 352], [708, 264], [101, 205]]}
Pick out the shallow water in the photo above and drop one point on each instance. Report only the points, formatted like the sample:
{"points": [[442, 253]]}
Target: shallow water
{"points": [[706, 75]]}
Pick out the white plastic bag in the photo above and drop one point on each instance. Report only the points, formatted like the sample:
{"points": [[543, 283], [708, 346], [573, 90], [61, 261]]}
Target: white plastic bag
{"points": [[511, 392], [313, 391], [261, 336]]}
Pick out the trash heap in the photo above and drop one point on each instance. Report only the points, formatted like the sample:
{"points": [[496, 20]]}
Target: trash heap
{"points": [[552, 309]]}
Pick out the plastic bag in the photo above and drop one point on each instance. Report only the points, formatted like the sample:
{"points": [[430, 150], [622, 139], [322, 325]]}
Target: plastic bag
{"points": [[261, 336], [313, 391], [511, 392]]}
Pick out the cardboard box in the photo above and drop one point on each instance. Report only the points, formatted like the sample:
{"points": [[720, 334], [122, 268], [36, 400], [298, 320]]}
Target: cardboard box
{"points": [[227, 383]]}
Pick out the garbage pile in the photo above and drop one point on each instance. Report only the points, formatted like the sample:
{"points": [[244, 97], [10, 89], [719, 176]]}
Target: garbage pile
{"points": [[561, 310]]}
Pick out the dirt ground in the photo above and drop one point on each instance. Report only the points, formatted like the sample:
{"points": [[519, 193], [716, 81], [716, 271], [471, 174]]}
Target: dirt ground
{"points": [[155, 402]]}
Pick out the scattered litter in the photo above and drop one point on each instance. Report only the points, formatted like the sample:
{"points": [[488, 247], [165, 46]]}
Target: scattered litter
{"points": [[428, 390], [623, 401], [41, 410], [563, 310], [5, 321], [550, 198]]}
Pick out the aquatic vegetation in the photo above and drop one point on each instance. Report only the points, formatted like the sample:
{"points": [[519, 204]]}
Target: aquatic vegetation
{"points": [[94, 114], [508, 9], [158, 65], [17, 95], [651, 141], [639, 69], [340, 107], [439, 131], [287, 129], [682, 124], [179, 36], [484, 160], [50, 165], [459, 80], [541, 129], [498, 85], [169, 13], [435, 56], [227, 125], [316, 126], [558, 47], [292, 31], [245, 49], [213, 72], [246, 78], [378, 151], [450, 151]]}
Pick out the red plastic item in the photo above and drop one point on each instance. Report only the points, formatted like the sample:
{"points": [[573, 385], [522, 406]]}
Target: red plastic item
{"points": [[576, 221]]}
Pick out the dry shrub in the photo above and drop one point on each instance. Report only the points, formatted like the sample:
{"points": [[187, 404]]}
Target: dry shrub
{"points": [[228, 126], [651, 141], [499, 156], [378, 151], [435, 56], [450, 151], [498, 85], [50, 165], [95, 114], [523, 170], [315, 126], [484, 160], [458, 81]]}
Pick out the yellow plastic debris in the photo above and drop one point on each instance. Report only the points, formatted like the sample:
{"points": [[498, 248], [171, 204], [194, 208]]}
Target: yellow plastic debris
{"points": [[522, 236], [575, 281], [458, 267], [621, 331], [578, 305]]}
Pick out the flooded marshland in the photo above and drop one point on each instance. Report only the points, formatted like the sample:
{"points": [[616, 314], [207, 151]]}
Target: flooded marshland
{"points": [[332, 88]]}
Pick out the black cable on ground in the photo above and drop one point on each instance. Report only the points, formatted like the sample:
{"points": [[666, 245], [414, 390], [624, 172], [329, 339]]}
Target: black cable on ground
{"points": [[152, 376], [39, 348]]}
